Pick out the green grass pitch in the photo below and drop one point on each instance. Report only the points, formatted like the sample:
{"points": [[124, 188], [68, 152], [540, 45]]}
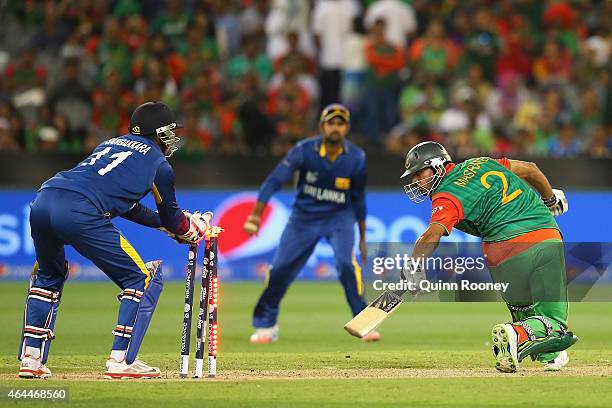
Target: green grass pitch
{"points": [[432, 354]]}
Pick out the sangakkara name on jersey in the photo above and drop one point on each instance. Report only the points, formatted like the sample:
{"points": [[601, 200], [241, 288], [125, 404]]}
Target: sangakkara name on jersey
{"points": [[324, 194], [130, 144]]}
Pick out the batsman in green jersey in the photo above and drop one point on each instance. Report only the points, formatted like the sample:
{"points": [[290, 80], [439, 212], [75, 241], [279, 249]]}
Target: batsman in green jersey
{"points": [[509, 204]]}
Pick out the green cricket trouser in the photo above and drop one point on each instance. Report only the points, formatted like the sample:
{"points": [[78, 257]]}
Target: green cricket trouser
{"points": [[538, 285]]}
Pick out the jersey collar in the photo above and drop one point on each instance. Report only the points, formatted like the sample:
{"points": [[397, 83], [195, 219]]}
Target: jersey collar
{"points": [[147, 140], [323, 150], [449, 167]]}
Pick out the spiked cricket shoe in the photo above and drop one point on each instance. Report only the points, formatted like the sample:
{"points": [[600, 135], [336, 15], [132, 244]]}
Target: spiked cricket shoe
{"points": [[33, 368], [558, 363], [504, 340], [121, 370], [264, 335]]}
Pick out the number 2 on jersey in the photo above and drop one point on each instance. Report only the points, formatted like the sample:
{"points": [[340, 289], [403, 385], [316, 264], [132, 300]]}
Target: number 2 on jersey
{"points": [[505, 198], [119, 157]]}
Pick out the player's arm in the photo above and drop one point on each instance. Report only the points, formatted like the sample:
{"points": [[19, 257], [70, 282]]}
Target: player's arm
{"points": [[171, 216], [424, 247], [143, 215], [181, 225], [532, 174], [427, 243], [389, 301], [281, 174], [554, 199], [446, 212]]}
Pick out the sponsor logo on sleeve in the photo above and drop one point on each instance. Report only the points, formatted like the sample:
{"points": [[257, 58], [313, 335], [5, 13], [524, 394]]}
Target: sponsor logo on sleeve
{"points": [[436, 209]]}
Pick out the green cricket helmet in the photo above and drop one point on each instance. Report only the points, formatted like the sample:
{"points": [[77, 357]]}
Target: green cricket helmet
{"points": [[425, 155]]}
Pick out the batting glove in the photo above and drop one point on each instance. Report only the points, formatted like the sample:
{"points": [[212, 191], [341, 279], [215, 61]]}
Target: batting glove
{"points": [[557, 204], [413, 277]]}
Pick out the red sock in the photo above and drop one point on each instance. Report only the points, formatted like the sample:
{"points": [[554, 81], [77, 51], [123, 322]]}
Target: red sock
{"points": [[521, 332]]}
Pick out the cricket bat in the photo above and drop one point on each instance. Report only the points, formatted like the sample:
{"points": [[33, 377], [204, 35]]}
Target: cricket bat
{"points": [[372, 316]]}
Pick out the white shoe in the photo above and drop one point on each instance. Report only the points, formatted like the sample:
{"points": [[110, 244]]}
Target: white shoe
{"points": [[505, 339], [138, 369], [372, 336], [264, 335], [558, 363], [33, 368]]}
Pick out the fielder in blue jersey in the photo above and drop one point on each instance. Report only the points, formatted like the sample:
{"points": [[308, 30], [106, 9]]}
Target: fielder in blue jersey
{"points": [[75, 207], [330, 198]]}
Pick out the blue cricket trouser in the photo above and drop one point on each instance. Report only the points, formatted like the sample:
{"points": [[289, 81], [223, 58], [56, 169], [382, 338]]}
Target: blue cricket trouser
{"points": [[296, 245], [62, 217]]}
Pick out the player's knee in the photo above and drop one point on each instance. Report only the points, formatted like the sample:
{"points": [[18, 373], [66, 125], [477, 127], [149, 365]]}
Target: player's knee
{"points": [[134, 281], [277, 276], [50, 280], [52, 283], [281, 269]]}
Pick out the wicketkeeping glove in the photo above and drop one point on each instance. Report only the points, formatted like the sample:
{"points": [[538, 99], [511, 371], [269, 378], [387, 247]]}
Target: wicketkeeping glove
{"points": [[198, 226], [557, 204]]}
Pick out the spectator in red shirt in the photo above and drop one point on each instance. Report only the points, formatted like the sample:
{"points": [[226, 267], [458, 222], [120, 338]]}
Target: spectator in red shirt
{"points": [[554, 66], [134, 32], [385, 60], [25, 74], [288, 98], [517, 47], [306, 63]]}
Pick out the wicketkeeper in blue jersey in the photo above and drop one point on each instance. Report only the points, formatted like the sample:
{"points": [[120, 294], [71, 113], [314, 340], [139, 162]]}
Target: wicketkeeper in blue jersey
{"points": [[330, 198], [75, 207]]}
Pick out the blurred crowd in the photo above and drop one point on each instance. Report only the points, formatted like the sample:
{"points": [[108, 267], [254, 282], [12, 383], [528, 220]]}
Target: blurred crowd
{"points": [[506, 77]]}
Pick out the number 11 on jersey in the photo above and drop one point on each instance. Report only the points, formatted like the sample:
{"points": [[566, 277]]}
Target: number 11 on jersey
{"points": [[119, 157]]}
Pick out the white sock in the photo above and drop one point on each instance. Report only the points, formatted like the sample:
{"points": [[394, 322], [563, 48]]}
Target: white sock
{"points": [[34, 352], [118, 355]]}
